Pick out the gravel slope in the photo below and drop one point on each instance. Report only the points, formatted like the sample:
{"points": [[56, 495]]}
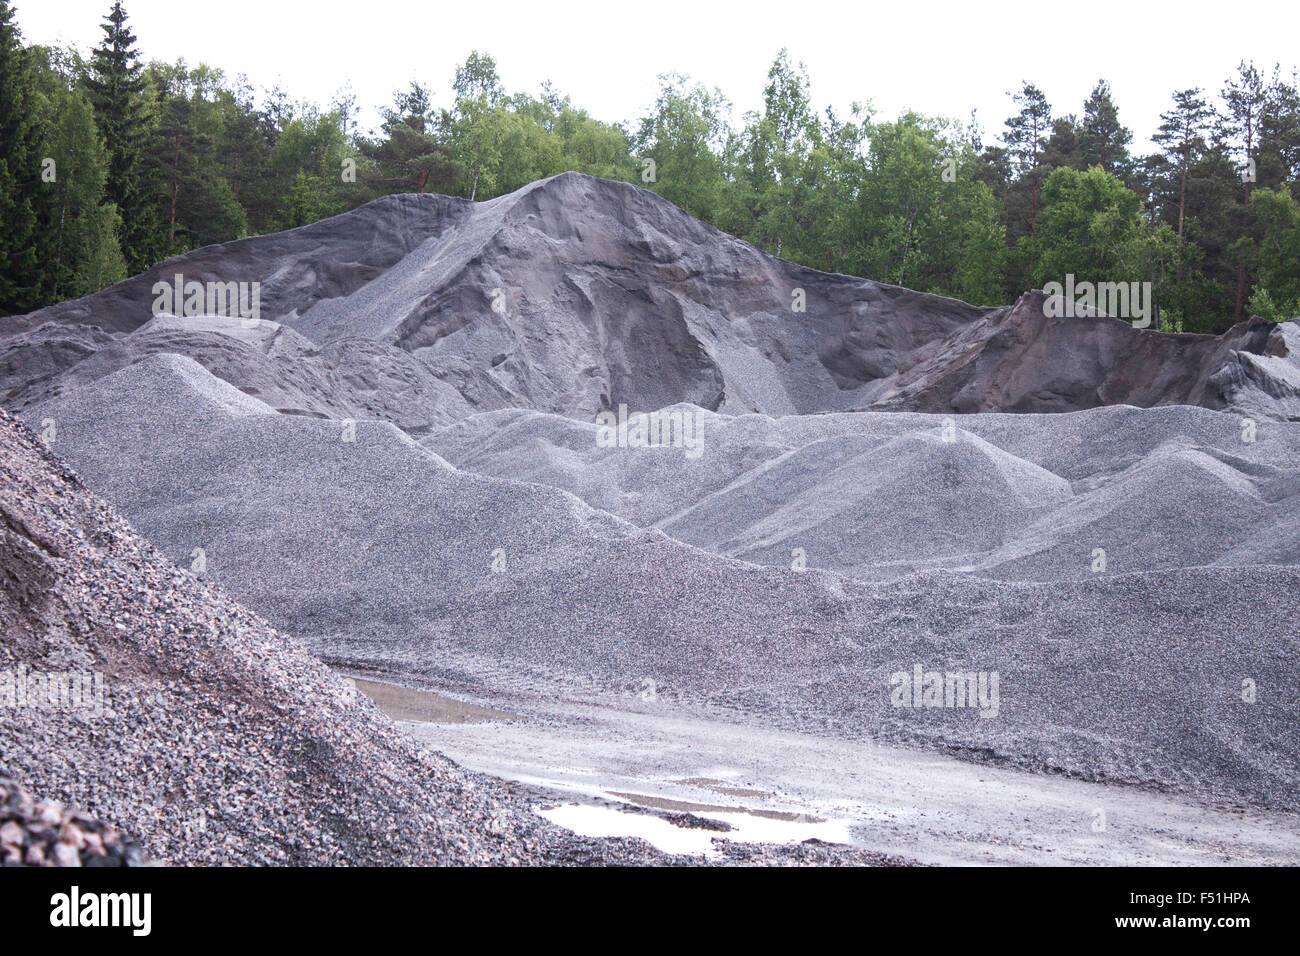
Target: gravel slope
{"points": [[878, 496], [398, 464], [380, 554], [216, 739], [575, 294]]}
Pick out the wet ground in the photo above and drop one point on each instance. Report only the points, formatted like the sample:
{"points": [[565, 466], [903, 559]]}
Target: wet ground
{"points": [[680, 779]]}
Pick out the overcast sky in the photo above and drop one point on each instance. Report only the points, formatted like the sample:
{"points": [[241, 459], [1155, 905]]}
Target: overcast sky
{"points": [[934, 56]]}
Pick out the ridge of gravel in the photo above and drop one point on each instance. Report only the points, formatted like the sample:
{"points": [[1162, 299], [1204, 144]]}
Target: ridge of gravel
{"points": [[218, 739]]}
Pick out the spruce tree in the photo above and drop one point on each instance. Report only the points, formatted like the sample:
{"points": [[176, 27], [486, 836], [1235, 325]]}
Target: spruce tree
{"points": [[1182, 138], [77, 234], [1103, 139], [117, 92], [1024, 138]]}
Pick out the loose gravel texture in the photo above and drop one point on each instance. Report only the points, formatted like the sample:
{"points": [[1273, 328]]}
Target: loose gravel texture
{"points": [[381, 555], [218, 739]]}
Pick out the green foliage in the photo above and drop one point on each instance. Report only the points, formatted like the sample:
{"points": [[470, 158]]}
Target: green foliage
{"points": [[1103, 140], [925, 213], [590, 146], [186, 168], [476, 124], [307, 164], [78, 243], [1090, 226], [116, 86], [1277, 290], [1181, 137], [20, 167], [1026, 136], [414, 154], [155, 161], [678, 145]]}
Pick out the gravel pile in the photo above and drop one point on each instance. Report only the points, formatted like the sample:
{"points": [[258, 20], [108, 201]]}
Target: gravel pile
{"points": [[398, 465], [878, 496], [42, 833], [381, 555], [136, 694], [575, 294]]}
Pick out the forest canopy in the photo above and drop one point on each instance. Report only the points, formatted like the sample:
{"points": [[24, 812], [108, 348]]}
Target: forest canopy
{"points": [[109, 164]]}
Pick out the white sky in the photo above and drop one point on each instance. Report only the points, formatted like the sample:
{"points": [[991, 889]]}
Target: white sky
{"points": [[935, 56]]}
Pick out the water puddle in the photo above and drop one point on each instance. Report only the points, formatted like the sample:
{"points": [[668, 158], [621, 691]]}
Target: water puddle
{"points": [[403, 703], [591, 820], [701, 809]]}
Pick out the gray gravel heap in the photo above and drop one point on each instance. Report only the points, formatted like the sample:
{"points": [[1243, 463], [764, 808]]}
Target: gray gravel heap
{"points": [[575, 294], [380, 554], [218, 739], [43, 833], [397, 464], [878, 496]]}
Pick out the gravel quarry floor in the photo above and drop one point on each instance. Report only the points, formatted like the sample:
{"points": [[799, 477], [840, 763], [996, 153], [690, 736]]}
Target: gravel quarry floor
{"points": [[385, 558], [931, 808]]}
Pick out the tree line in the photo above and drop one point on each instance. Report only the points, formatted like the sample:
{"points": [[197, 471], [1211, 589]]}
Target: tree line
{"points": [[108, 165]]}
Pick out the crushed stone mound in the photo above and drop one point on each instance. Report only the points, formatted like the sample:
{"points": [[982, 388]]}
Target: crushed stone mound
{"points": [[879, 496], [575, 294], [399, 463], [145, 698], [43, 833], [213, 737], [384, 556]]}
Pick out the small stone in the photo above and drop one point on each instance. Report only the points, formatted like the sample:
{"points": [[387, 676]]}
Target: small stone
{"points": [[72, 836], [66, 855]]}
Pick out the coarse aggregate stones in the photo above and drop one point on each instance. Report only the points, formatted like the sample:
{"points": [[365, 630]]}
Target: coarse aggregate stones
{"points": [[218, 739], [44, 833], [380, 554]]}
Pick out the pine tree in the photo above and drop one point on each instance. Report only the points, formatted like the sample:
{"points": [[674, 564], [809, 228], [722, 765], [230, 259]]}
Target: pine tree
{"points": [[1182, 137], [1279, 133], [116, 86], [1063, 148], [248, 137], [416, 151], [186, 158], [1024, 138], [1244, 98]]}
